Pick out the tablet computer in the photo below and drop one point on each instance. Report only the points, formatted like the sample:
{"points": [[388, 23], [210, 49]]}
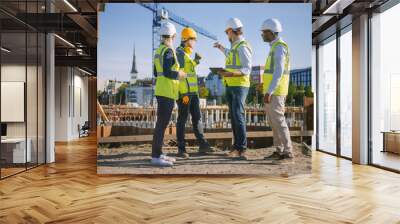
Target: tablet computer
{"points": [[216, 70]]}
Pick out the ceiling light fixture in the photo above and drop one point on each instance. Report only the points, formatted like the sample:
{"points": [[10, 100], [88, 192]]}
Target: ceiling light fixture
{"points": [[327, 11], [64, 40], [70, 5], [5, 50], [84, 71]]}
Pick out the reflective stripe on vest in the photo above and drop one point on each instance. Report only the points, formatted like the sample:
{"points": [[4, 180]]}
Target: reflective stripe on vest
{"points": [[283, 84], [165, 86], [189, 85], [233, 63]]}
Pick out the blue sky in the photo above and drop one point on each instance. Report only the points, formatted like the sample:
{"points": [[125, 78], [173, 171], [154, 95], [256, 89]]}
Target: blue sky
{"points": [[123, 25]]}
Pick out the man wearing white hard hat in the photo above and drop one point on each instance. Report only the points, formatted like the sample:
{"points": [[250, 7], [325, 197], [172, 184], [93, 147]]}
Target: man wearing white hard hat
{"points": [[168, 74], [236, 77], [275, 87]]}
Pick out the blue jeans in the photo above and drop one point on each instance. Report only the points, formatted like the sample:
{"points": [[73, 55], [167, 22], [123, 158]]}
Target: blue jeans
{"points": [[192, 108], [236, 97], [164, 111]]}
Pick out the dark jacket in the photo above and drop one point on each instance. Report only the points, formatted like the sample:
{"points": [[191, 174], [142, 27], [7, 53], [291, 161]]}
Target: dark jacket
{"points": [[169, 61]]}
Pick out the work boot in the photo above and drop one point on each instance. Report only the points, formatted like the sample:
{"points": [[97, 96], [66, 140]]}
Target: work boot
{"points": [[183, 154], [243, 155], [205, 148], [286, 155], [233, 153], [274, 156]]}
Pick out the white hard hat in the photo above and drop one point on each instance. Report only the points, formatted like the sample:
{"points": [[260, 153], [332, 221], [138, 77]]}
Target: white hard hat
{"points": [[272, 24], [167, 29], [233, 23]]}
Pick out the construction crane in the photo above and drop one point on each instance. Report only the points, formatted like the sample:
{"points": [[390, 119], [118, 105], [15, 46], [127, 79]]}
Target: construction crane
{"points": [[160, 14]]}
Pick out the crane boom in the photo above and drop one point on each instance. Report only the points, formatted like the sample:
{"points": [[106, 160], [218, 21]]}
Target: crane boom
{"points": [[177, 19], [160, 13], [185, 23]]}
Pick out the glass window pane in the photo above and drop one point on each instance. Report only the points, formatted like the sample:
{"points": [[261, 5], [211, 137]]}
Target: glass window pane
{"points": [[346, 94], [385, 84], [23, 83], [31, 97], [327, 96], [13, 86], [41, 98]]}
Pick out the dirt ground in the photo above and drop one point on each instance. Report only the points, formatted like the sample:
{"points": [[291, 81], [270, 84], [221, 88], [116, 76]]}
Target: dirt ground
{"points": [[135, 159]]}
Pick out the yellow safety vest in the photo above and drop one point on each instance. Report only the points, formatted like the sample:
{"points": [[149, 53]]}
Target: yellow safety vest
{"points": [[188, 85], [165, 86], [283, 84], [232, 63]]}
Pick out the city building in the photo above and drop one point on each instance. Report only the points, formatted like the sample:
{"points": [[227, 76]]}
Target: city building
{"points": [[112, 86], [139, 94], [256, 73], [301, 77], [297, 76], [201, 80], [215, 85]]}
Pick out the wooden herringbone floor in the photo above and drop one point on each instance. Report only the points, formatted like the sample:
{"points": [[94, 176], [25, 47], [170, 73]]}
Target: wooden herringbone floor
{"points": [[70, 191]]}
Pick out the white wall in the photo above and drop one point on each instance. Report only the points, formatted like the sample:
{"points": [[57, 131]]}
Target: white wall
{"points": [[61, 114], [12, 73], [71, 102], [80, 110], [17, 73], [33, 126]]}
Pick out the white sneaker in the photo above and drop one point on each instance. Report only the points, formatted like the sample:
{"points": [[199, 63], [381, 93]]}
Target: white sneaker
{"points": [[165, 157], [161, 162]]}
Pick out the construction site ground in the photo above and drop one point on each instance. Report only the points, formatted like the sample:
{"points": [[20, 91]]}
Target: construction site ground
{"points": [[135, 159]]}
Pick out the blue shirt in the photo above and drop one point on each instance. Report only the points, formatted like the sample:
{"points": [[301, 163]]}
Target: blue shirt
{"points": [[279, 55], [245, 55]]}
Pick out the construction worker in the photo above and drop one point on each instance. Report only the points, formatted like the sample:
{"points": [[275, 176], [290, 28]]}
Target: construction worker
{"points": [[168, 73], [237, 81], [188, 101], [275, 87]]}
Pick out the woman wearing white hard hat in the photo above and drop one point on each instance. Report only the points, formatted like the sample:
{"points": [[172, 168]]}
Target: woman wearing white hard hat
{"points": [[236, 77], [168, 73], [275, 87]]}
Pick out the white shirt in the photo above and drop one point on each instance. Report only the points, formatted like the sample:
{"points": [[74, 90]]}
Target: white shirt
{"points": [[279, 55]]}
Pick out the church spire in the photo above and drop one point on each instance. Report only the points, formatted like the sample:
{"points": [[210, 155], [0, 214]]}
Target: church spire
{"points": [[134, 69]]}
